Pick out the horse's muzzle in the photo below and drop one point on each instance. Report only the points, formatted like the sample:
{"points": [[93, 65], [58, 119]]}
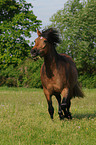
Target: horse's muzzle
{"points": [[34, 53]]}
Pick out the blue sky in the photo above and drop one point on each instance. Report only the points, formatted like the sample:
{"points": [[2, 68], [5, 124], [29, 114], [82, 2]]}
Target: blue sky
{"points": [[44, 9]]}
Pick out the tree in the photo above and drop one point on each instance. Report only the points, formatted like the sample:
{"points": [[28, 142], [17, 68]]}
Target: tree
{"points": [[86, 38], [17, 21], [77, 26]]}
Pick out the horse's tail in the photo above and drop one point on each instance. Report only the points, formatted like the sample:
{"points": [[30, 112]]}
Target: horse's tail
{"points": [[77, 92]]}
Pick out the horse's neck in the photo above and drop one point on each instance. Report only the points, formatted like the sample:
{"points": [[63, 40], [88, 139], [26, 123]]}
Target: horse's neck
{"points": [[50, 61]]}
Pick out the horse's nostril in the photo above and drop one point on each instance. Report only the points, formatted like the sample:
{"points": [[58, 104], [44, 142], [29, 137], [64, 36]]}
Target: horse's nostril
{"points": [[33, 51]]}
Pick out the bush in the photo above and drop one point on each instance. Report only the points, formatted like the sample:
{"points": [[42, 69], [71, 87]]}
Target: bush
{"points": [[11, 82], [88, 81], [8, 76], [28, 75], [2, 80], [25, 75]]}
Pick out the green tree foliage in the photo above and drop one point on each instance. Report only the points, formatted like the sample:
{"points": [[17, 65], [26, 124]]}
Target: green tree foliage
{"points": [[27, 74], [77, 26], [17, 21]]}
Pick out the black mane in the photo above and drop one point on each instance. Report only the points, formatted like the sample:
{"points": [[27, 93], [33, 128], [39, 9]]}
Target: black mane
{"points": [[51, 35]]}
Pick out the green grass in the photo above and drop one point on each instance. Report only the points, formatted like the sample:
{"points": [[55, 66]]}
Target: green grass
{"points": [[24, 119]]}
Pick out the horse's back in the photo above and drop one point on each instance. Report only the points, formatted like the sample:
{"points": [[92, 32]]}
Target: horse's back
{"points": [[69, 66], [67, 59]]}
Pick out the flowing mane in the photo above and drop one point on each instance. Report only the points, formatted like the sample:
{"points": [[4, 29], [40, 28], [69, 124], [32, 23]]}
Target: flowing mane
{"points": [[51, 35]]}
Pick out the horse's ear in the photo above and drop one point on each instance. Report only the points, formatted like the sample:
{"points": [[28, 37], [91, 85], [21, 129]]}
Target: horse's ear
{"points": [[38, 32]]}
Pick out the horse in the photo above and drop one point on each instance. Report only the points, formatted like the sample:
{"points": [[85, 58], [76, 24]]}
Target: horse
{"points": [[59, 75]]}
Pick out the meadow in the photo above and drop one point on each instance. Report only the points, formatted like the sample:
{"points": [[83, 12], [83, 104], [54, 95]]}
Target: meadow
{"points": [[24, 119]]}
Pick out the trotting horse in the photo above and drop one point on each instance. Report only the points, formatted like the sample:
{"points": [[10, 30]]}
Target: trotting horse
{"points": [[58, 73]]}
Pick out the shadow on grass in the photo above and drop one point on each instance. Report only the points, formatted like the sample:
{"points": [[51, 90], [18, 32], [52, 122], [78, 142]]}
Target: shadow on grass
{"points": [[87, 115]]}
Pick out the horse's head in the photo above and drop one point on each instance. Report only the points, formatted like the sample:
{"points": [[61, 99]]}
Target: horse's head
{"points": [[48, 38], [40, 47]]}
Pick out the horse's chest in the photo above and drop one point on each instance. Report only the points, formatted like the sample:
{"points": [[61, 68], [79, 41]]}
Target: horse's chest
{"points": [[52, 84]]}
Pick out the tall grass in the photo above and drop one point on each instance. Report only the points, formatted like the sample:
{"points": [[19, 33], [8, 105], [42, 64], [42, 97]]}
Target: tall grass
{"points": [[24, 119]]}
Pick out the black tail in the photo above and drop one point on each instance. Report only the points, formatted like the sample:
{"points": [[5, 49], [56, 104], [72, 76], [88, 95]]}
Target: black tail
{"points": [[77, 92]]}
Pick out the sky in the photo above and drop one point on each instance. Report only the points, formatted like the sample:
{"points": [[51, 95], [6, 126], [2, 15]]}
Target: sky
{"points": [[44, 9]]}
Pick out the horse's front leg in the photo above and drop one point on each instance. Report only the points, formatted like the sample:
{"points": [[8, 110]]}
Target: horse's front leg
{"points": [[50, 109], [58, 97], [49, 101]]}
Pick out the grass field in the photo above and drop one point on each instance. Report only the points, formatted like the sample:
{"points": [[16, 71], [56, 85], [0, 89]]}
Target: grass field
{"points": [[24, 119]]}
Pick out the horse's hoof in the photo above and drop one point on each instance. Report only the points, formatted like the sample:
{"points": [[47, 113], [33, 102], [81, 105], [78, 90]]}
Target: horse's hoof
{"points": [[61, 117], [51, 117], [68, 116]]}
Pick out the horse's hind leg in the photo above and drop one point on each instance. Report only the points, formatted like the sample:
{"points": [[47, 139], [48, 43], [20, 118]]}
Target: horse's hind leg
{"points": [[58, 97], [69, 116], [66, 103], [64, 107], [64, 93], [69, 103]]}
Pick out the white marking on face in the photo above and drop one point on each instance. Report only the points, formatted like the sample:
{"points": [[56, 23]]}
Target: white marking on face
{"points": [[41, 37]]}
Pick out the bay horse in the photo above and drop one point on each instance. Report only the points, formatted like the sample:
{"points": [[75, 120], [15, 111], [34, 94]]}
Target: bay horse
{"points": [[58, 73]]}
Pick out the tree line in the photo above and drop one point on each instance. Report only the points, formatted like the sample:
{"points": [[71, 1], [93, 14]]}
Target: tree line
{"points": [[76, 23]]}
